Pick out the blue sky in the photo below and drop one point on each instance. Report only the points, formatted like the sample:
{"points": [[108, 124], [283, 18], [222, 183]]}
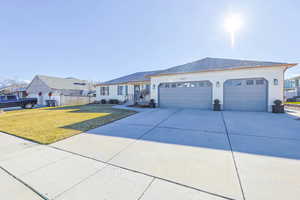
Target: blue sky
{"points": [[104, 39]]}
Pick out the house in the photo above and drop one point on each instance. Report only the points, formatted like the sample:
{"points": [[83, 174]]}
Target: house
{"points": [[133, 88], [239, 85], [292, 87], [15, 89], [55, 88]]}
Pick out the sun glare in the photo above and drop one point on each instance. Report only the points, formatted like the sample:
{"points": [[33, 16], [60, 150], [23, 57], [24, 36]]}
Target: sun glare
{"points": [[232, 24]]}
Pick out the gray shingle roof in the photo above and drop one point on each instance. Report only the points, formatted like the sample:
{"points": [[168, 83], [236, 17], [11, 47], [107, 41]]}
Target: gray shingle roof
{"points": [[64, 83], [206, 64], [136, 77], [212, 64]]}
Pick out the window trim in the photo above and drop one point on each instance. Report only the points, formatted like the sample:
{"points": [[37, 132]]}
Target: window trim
{"points": [[249, 81]]}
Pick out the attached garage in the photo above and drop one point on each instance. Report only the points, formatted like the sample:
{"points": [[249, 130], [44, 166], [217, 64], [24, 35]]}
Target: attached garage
{"points": [[246, 94], [194, 94]]}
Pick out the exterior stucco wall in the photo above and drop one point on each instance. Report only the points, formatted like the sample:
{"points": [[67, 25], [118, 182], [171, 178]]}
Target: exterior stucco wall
{"points": [[113, 92], [268, 73], [37, 86]]}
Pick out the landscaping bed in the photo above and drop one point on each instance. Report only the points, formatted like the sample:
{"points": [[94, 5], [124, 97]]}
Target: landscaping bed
{"points": [[292, 105], [48, 125]]}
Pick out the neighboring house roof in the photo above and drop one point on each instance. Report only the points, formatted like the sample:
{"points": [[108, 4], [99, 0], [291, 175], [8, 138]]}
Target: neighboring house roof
{"points": [[214, 64], [65, 83], [15, 87], [136, 77]]}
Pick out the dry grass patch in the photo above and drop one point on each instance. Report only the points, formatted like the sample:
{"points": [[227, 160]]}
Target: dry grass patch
{"points": [[48, 125]]}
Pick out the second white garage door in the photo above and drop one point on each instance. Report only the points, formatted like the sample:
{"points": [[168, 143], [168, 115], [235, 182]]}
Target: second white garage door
{"points": [[245, 95], [186, 95]]}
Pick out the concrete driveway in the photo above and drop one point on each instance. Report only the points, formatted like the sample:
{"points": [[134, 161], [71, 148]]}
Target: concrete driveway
{"points": [[164, 154]]}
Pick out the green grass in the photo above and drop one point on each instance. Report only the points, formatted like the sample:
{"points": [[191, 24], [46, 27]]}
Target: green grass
{"points": [[292, 103], [48, 125]]}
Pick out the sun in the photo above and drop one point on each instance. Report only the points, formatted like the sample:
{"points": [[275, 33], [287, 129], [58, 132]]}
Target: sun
{"points": [[232, 24]]}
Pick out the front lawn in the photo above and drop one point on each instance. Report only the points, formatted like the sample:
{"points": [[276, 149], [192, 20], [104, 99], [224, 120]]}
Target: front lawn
{"points": [[292, 103], [48, 125]]}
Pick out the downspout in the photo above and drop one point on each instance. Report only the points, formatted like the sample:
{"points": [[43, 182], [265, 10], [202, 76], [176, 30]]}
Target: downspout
{"points": [[283, 94]]}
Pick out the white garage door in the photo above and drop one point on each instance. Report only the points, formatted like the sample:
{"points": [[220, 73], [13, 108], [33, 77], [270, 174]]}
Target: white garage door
{"points": [[186, 95], [245, 95]]}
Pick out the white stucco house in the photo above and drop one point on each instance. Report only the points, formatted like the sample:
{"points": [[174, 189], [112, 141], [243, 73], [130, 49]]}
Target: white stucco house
{"points": [[239, 85], [292, 87], [55, 88]]}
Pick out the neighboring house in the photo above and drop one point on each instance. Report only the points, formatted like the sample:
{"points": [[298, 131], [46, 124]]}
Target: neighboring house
{"points": [[54, 88], [292, 87], [15, 89], [131, 88], [240, 85]]}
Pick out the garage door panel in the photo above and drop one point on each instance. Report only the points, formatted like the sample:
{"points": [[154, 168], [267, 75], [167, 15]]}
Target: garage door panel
{"points": [[240, 96], [198, 96]]}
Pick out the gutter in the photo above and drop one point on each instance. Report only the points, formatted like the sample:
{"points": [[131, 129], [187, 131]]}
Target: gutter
{"points": [[214, 70], [128, 83]]}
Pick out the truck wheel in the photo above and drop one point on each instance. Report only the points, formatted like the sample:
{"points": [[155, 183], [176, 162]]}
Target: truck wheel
{"points": [[28, 106]]}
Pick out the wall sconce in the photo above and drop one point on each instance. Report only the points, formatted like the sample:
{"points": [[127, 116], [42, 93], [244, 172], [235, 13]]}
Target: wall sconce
{"points": [[218, 84], [275, 81]]}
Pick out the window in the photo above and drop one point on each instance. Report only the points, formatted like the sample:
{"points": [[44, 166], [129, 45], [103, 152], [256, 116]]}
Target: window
{"points": [[193, 85], [126, 89], [259, 82], [275, 81], [186, 84], [79, 83], [236, 82], [179, 85], [173, 85], [201, 84], [250, 82], [2, 98], [120, 90], [104, 91], [148, 88], [167, 85]]}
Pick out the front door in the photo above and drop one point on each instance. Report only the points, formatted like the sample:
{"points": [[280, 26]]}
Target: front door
{"points": [[137, 92]]}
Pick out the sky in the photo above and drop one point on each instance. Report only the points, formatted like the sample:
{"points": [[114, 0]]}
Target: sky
{"points": [[103, 39]]}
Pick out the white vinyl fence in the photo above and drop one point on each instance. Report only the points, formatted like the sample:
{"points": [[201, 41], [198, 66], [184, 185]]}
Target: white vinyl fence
{"points": [[75, 100]]}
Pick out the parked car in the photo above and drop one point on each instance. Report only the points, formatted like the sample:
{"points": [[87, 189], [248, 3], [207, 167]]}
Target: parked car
{"points": [[14, 101]]}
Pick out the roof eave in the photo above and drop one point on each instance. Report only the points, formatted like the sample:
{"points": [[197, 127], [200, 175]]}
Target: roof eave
{"points": [[288, 65], [129, 82]]}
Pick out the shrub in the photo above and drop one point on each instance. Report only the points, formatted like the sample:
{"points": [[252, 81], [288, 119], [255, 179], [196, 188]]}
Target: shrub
{"points": [[277, 102], [216, 101], [152, 103], [103, 101]]}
